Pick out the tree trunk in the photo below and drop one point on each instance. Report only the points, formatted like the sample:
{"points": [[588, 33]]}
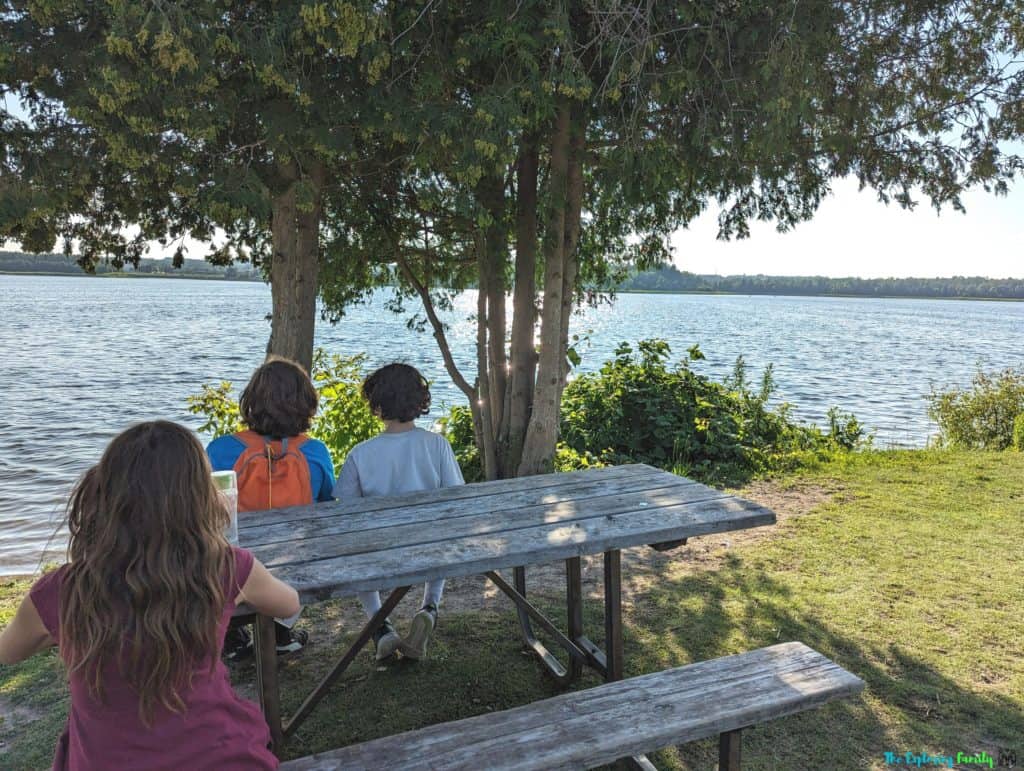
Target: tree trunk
{"points": [[492, 360], [574, 211], [485, 413], [294, 269], [542, 431], [522, 353]]}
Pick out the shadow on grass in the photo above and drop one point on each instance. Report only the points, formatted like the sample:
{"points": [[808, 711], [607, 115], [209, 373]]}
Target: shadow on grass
{"points": [[907, 705], [477, 665]]}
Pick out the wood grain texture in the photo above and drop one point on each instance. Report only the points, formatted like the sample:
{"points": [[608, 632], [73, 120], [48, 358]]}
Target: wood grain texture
{"points": [[339, 548], [331, 522], [257, 519], [401, 566], [589, 728]]}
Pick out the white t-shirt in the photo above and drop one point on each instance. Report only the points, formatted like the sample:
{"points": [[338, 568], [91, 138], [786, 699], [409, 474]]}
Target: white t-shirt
{"points": [[395, 464]]}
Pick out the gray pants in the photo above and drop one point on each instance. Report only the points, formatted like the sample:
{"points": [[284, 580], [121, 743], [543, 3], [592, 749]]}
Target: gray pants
{"points": [[431, 596]]}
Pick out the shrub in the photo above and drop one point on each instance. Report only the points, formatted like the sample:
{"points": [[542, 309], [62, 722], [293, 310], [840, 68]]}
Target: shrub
{"points": [[1018, 433], [457, 427], [343, 418], [637, 408], [982, 416]]}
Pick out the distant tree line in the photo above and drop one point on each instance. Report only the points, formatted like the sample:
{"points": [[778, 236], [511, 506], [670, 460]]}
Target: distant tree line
{"points": [[671, 279], [19, 262]]}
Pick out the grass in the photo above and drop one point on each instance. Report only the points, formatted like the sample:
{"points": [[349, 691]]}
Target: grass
{"points": [[908, 575]]}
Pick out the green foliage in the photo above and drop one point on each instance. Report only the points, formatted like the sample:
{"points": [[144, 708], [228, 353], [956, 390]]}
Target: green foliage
{"points": [[982, 417], [343, 419], [639, 409], [670, 279], [457, 427], [1018, 433], [218, 407]]}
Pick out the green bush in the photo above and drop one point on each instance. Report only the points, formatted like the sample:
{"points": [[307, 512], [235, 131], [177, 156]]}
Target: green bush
{"points": [[457, 428], [342, 421], [637, 408], [1018, 433], [982, 416]]}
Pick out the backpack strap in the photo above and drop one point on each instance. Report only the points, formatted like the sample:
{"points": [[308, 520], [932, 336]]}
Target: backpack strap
{"points": [[251, 440]]}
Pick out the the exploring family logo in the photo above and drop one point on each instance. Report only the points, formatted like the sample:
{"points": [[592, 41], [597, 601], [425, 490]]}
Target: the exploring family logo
{"points": [[923, 759]]}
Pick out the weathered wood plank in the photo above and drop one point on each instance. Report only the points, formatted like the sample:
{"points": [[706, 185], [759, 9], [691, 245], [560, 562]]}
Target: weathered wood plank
{"points": [[437, 515], [341, 576], [257, 519], [328, 543], [629, 717]]}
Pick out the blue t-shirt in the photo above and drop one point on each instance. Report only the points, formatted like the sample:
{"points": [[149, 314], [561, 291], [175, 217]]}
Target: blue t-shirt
{"points": [[224, 451]]}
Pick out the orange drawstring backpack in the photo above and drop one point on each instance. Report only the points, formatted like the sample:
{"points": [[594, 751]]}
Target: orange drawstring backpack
{"points": [[272, 473]]}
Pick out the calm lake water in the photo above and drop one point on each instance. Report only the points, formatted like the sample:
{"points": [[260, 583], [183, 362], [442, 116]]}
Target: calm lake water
{"points": [[84, 358]]}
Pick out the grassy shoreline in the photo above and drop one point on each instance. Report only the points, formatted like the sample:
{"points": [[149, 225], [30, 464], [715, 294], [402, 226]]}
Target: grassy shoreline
{"points": [[902, 566]]}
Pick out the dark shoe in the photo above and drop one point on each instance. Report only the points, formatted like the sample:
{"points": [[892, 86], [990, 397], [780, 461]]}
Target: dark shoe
{"points": [[415, 645], [237, 644], [290, 640], [386, 641]]}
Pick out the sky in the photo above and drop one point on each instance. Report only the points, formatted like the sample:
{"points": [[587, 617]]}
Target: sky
{"points": [[853, 234]]}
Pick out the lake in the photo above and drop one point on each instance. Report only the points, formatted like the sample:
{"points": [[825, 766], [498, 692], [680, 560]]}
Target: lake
{"points": [[86, 357]]}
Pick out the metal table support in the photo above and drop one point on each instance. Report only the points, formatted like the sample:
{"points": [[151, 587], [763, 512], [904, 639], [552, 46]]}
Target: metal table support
{"points": [[266, 671]]}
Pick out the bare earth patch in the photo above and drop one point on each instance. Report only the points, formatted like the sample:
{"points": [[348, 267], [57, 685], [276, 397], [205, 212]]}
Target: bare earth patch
{"points": [[12, 718]]}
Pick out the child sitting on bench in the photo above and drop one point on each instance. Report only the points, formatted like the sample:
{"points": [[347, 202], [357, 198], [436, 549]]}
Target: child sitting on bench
{"points": [[401, 459], [276, 463]]}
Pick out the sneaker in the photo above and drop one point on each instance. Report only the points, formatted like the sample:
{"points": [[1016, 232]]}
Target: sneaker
{"points": [[415, 645], [237, 644], [386, 641], [290, 640]]}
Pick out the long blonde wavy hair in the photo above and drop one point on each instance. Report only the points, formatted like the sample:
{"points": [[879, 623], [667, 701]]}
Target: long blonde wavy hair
{"points": [[144, 588]]}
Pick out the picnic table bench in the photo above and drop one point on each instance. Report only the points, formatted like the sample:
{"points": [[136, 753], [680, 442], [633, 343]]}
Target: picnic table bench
{"points": [[338, 548], [616, 720]]}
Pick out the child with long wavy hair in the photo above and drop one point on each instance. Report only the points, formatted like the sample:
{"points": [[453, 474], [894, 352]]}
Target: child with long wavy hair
{"points": [[139, 613]]}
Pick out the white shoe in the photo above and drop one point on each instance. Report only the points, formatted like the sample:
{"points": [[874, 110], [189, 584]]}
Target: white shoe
{"points": [[387, 641], [415, 645]]}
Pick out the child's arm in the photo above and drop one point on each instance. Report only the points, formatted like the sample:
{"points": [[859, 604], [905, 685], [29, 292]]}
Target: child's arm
{"points": [[25, 635], [268, 595], [348, 481], [451, 474], [322, 457]]}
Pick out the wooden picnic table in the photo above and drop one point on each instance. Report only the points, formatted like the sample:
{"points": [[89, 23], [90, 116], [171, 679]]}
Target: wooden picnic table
{"points": [[338, 548]]}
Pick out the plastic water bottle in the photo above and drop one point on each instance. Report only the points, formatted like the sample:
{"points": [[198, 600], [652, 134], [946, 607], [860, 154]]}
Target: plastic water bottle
{"points": [[227, 485]]}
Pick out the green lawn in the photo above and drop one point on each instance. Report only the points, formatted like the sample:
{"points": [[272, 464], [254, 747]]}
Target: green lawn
{"points": [[909, 575]]}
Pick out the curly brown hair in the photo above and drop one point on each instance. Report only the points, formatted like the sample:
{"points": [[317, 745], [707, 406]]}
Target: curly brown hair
{"points": [[397, 392], [147, 560], [279, 400]]}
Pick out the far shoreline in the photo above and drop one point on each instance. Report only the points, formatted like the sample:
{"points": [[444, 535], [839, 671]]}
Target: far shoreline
{"points": [[696, 292]]}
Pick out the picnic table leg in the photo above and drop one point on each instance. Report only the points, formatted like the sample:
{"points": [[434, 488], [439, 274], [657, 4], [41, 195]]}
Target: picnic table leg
{"points": [[613, 639], [265, 643], [574, 609], [517, 593], [613, 615], [729, 751], [364, 637]]}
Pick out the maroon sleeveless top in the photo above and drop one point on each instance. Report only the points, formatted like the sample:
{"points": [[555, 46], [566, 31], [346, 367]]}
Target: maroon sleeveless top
{"points": [[217, 730]]}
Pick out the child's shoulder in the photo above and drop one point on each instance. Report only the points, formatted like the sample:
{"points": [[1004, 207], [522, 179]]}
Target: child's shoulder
{"points": [[314, 448], [224, 451], [227, 441]]}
